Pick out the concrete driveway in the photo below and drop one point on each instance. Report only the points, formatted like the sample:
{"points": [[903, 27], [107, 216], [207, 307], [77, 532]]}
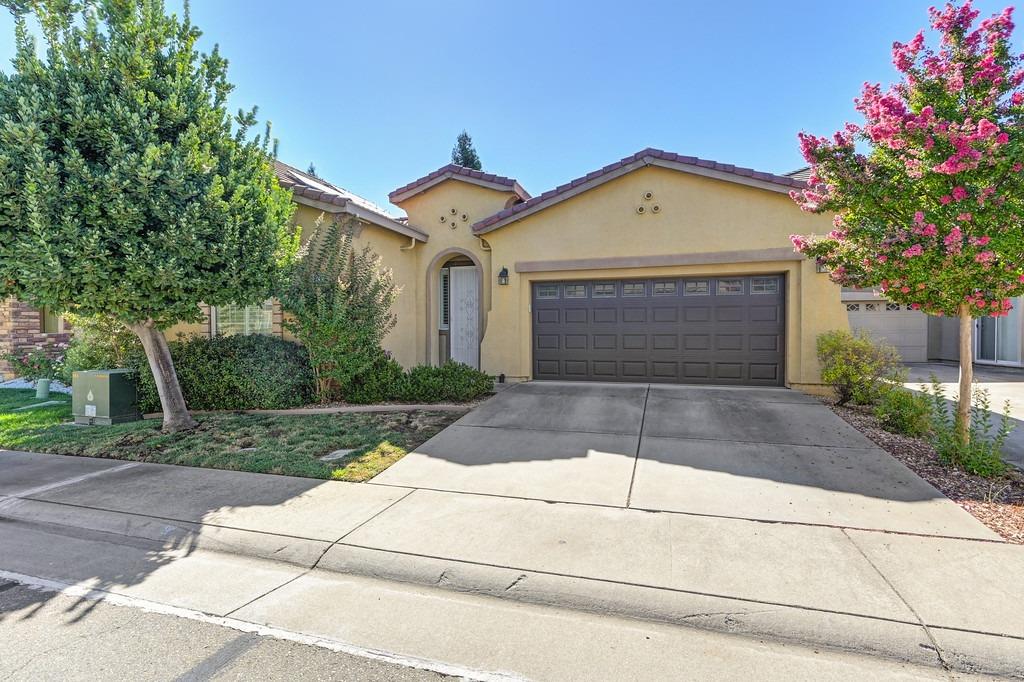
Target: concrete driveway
{"points": [[745, 453]]}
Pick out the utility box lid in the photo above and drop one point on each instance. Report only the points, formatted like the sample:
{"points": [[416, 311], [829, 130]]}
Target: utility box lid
{"points": [[104, 396]]}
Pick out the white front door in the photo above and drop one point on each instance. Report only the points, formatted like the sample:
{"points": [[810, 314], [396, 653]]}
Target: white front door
{"points": [[464, 307]]}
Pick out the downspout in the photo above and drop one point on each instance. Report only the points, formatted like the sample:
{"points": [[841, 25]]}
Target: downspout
{"points": [[412, 244]]}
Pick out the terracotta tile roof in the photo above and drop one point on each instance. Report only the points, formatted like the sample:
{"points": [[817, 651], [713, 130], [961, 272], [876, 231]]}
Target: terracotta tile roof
{"points": [[459, 172], [645, 157]]}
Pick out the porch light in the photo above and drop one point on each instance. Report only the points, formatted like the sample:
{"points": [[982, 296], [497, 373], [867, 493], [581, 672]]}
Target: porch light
{"points": [[503, 277]]}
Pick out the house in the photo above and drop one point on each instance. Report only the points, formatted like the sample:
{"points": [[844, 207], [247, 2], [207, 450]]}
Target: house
{"points": [[656, 268], [24, 329]]}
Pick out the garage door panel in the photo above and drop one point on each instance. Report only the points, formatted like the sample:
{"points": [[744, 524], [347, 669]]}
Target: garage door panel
{"points": [[668, 330]]}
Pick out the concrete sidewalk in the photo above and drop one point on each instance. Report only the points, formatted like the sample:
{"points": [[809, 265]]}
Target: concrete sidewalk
{"points": [[927, 600]]}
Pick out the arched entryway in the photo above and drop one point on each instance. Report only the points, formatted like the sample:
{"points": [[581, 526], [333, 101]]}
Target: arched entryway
{"points": [[456, 308]]}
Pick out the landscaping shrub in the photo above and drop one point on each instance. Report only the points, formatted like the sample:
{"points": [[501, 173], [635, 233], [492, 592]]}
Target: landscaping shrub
{"points": [[903, 411], [982, 454], [858, 366], [98, 342], [384, 382], [451, 382], [232, 373], [338, 299]]}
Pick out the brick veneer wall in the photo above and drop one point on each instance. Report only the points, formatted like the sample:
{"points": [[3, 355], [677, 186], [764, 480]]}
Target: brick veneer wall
{"points": [[19, 333]]}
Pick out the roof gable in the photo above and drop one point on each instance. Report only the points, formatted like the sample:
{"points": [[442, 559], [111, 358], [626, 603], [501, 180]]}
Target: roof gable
{"points": [[463, 174], [642, 159]]}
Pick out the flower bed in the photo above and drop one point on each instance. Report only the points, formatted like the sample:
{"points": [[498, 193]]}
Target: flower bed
{"points": [[996, 502]]}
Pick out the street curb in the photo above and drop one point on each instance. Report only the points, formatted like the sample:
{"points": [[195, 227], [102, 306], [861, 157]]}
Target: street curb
{"points": [[903, 641]]}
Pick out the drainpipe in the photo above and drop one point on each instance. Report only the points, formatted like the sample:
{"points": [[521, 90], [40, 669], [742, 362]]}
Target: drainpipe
{"points": [[412, 243]]}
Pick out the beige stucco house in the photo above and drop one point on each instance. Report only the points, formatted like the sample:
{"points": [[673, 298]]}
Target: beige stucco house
{"points": [[658, 267]]}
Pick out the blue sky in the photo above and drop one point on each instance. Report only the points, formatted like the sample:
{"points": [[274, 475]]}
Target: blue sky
{"points": [[374, 93]]}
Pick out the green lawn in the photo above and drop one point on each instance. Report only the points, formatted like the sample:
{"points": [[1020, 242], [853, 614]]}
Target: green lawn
{"points": [[287, 445]]}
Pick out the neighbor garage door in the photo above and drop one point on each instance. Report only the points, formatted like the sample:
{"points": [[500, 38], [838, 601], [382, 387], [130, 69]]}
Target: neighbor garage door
{"points": [[713, 330]]}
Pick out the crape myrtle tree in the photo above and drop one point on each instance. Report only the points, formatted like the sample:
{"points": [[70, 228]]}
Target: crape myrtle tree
{"points": [[126, 188], [928, 192], [464, 154]]}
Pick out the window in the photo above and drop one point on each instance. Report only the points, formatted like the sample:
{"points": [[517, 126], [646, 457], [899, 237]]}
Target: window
{"points": [[49, 322], [871, 307], [730, 287], [665, 288], [634, 289], [244, 319], [604, 290], [575, 290], [547, 290], [444, 314], [852, 307], [764, 285], [696, 287], [891, 307]]}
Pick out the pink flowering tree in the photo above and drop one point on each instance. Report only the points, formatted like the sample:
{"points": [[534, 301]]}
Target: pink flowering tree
{"points": [[928, 193]]}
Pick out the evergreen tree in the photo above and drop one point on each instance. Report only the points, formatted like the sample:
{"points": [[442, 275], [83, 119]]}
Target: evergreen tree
{"points": [[126, 188], [463, 154]]}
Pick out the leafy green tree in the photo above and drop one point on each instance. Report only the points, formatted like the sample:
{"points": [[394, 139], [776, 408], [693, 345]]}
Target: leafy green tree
{"points": [[929, 192], [338, 301], [464, 154], [126, 188]]}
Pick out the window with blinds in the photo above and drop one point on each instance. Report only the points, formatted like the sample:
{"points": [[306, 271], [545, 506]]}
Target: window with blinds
{"points": [[444, 314], [244, 320]]}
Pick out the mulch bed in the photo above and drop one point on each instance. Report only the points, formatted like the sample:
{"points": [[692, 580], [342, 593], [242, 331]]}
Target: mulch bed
{"points": [[996, 502]]}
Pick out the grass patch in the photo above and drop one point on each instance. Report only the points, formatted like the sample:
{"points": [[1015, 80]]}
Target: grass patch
{"points": [[270, 444]]}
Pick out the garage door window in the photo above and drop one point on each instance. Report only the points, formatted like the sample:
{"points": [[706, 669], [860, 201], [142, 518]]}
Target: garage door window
{"points": [[730, 287], [892, 306], [547, 291], [604, 290], [633, 289], [764, 285], [575, 290], [664, 288], [696, 287]]}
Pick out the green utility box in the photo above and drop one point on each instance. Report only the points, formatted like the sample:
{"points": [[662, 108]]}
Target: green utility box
{"points": [[104, 396]]}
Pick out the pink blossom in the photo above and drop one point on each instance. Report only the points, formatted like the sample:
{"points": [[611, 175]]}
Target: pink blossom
{"points": [[985, 257], [905, 290], [945, 199], [915, 250], [883, 258], [959, 193], [980, 241], [964, 217], [915, 306]]}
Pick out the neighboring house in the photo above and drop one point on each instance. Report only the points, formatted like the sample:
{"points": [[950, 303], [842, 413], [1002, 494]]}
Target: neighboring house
{"points": [[657, 267], [922, 338], [24, 329]]}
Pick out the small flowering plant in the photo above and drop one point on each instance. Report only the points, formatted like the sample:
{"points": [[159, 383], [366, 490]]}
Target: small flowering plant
{"points": [[928, 193], [34, 365], [932, 211]]}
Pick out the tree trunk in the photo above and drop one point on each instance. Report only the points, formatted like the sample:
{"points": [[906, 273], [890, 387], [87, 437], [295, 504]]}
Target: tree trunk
{"points": [[963, 407], [176, 416]]}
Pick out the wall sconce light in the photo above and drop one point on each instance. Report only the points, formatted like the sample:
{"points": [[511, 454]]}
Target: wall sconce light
{"points": [[503, 277]]}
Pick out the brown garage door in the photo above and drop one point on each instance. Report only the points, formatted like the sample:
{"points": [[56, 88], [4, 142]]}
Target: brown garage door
{"points": [[713, 330]]}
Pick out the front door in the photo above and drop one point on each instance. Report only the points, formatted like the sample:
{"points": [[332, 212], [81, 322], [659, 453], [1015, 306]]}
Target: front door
{"points": [[464, 323]]}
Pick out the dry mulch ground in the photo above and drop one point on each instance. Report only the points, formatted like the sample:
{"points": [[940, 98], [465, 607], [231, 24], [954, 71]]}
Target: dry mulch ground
{"points": [[996, 502]]}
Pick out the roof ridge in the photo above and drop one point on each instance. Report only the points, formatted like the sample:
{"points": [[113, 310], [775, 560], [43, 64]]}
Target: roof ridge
{"points": [[646, 153], [457, 171]]}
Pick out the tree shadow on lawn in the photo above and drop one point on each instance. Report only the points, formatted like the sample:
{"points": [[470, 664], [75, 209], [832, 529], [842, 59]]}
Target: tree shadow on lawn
{"points": [[129, 527]]}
